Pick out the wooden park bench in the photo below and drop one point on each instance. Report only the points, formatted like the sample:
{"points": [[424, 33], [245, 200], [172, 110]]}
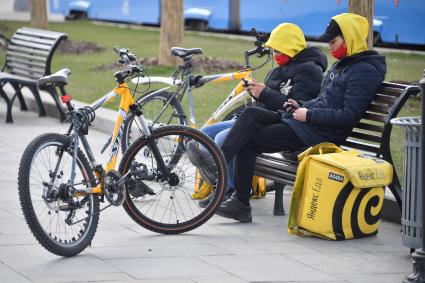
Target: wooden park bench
{"points": [[28, 57], [372, 135]]}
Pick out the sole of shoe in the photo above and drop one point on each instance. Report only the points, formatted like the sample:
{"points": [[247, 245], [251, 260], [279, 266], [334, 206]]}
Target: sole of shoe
{"points": [[242, 219]]}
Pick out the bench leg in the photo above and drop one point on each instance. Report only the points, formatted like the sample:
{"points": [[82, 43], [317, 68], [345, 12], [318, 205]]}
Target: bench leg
{"points": [[21, 99], [41, 110], [8, 105], [55, 97], [278, 199]]}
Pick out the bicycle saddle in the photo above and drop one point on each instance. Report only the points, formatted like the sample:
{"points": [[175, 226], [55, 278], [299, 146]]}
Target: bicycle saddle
{"points": [[59, 78], [183, 52]]}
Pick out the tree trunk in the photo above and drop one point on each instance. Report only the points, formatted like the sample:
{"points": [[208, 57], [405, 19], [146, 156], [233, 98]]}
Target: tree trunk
{"points": [[364, 8], [38, 14], [171, 33]]}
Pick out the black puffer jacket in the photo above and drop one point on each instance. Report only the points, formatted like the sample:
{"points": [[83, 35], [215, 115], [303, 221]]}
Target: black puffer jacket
{"points": [[306, 73], [347, 90]]}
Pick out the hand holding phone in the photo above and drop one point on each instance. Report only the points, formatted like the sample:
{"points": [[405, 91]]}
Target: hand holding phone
{"points": [[291, 105]]}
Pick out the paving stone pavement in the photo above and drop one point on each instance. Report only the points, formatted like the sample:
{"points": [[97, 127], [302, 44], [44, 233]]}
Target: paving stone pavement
{"points": [[219, 251]]}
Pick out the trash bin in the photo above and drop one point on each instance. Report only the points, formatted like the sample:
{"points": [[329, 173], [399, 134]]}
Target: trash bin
{"points": [[411, 216]]}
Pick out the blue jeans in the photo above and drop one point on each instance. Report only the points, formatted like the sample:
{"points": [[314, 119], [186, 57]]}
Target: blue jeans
{"points": [[218, 132]]}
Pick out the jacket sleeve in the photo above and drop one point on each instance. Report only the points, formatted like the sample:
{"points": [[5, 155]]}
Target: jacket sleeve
{"points": [[272, 99], [361, 86], [306, 83]]}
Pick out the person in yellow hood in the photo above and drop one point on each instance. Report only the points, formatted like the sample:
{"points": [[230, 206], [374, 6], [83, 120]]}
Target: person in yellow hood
{"points": [[346, 91], [298, 75]]}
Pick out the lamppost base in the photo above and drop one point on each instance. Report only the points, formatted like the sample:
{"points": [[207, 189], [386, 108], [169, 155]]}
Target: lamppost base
{"points": [[418, 273]]}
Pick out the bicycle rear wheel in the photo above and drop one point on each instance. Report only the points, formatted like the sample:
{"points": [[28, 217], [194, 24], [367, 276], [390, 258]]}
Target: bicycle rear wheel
{"points": [[166, 206], [50, 208], [152, 105]]}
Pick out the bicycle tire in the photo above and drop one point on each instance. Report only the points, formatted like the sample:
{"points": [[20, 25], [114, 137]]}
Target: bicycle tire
{"points": [[176, 226], [28, 199], [163, 97]]}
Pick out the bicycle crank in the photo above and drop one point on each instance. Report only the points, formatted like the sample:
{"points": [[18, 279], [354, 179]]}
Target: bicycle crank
{"points": [[114, 190]]}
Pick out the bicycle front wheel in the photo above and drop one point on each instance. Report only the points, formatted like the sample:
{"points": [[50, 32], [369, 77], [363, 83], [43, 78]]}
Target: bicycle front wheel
{"points": [[155, 109], [62, 221], [166, 205]]}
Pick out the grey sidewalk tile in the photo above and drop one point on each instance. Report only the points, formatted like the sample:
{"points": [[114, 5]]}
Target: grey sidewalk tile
{"points": [[147, 268], [267, 268], [215, 279], [373, 278], [11, 226], [9, 275], [155, 280], [17, 239], [39, 265], [350, 263], [85, 277]]}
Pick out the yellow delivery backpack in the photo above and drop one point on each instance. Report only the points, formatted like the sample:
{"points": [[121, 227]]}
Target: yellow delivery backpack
{"points": [[338, 194]]}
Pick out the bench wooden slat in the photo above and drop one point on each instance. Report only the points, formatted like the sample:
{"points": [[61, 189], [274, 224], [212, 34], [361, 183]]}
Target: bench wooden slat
{"points": [[380, 98], [370, 127], [365, 136], [391, 91], [26, 62], [383, 109], [30, 44], [355, 144], [41, 34], [12, 54], [374, 117], [49, 42], [28, 50], [26, 74]]}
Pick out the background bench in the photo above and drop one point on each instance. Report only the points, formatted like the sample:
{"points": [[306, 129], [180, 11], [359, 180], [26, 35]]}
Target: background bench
{"points": [[28, 57], [371, 135]]}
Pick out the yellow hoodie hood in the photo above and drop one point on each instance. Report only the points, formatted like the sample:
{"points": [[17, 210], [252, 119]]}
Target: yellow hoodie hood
{"points": [[287, 38], [355, 29]]}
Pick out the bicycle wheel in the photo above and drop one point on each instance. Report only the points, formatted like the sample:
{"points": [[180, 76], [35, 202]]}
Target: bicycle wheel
{"points": [[166, 206], [237, 111], [51, 210], [152, 105]]}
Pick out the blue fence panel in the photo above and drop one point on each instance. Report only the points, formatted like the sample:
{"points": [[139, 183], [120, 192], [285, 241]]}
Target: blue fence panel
{"points": [[219, 18], [403, 22], [311, 16]]}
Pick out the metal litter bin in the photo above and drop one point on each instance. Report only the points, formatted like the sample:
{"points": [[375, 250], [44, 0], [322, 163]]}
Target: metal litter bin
{"points": [[411, 216]]}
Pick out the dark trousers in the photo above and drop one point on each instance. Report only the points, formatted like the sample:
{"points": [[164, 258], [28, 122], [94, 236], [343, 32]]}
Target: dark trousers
{"points": [[257, 130]]}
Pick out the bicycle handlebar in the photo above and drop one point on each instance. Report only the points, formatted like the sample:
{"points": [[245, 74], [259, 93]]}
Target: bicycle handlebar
{"points": [[127, 58]]}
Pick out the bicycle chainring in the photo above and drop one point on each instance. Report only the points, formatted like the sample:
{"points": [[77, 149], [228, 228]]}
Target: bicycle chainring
{"points": [[114, 192]]}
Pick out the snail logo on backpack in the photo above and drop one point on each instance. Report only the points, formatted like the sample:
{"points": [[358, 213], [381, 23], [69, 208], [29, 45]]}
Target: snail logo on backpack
{"points": [[338, 194]]}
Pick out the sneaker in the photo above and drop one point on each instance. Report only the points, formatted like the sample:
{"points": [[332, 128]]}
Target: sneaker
{"points": [[202, 161], [205, 202], [235, 209]]}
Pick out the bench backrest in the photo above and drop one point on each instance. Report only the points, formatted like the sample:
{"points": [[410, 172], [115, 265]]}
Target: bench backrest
{"points": [[372, 134], [30, 52], [375, 128]]}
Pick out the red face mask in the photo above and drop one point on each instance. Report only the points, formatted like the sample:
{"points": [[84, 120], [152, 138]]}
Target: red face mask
{"points": [[281, 59], [340, 52]]}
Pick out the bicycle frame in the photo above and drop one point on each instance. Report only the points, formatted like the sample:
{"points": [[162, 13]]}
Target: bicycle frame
{"points": [[125, 103], [235, 96]]}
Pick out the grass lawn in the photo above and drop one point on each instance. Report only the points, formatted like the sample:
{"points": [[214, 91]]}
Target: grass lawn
{"points": [[87, 84]]}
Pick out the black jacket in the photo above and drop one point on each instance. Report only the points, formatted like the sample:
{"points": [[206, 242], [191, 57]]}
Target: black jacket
{"points": [[349, 86], [306, 73]]}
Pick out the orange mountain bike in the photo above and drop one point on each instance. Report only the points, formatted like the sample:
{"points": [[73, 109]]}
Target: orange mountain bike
{"points": [[61, 186]]}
